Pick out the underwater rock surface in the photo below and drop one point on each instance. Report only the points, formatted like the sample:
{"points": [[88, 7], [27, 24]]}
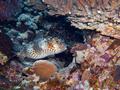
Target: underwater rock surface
{"points": [[8, 9], [102, 16], [59, 45], [5, 44]]}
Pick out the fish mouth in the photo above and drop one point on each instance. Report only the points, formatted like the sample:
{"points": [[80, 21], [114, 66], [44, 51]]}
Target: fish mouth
{"points": [[60, 51]]}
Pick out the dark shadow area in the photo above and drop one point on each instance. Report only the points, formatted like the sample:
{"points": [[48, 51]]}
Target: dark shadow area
{"points": [[64, 30]]}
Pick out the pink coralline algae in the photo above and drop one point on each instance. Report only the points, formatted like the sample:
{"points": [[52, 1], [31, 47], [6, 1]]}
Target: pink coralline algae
{"points": [[8, 8], [103, 57], [9, 77], [106, 57], [96, 67], [36, 58]]}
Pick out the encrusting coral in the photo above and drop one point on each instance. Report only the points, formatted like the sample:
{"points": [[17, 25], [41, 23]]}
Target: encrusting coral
{"points": [[89, 14], [88, 59], [44, 69]]}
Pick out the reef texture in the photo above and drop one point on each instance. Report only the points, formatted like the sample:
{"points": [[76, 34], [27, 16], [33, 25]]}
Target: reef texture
{"points": [[37, 4], [95, 66], [97, 70], [99, 15], [5, 44], [10, 75], [8, 9], [59, 45], [44, 69]]}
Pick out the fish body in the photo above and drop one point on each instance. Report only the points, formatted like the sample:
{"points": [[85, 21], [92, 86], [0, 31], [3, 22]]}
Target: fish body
{"points": [[42, 48]]}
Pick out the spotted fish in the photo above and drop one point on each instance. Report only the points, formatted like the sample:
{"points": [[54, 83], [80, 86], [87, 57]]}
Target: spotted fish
{"points": [[43, 48]]}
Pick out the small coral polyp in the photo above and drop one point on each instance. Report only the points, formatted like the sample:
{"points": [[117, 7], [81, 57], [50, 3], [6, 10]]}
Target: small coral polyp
{"points": [[44, 69]]}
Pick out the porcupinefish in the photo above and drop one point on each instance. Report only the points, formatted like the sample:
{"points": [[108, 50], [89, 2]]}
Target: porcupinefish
{"points": [[42, 48]]}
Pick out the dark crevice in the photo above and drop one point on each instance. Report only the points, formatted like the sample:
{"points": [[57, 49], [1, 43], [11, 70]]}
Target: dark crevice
{"points": [[64, 30]]}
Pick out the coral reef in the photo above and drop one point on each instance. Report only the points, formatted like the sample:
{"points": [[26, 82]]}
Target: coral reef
{"points": [[95, 66], [10, 76], [44, 69], [83, 8], [92, 14], [59, 45], [28, 21], [61, 7], [8, 8], [37, 4]]}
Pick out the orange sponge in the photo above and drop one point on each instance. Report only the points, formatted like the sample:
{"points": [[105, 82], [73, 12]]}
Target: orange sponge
{"points": [[45, 69]]}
